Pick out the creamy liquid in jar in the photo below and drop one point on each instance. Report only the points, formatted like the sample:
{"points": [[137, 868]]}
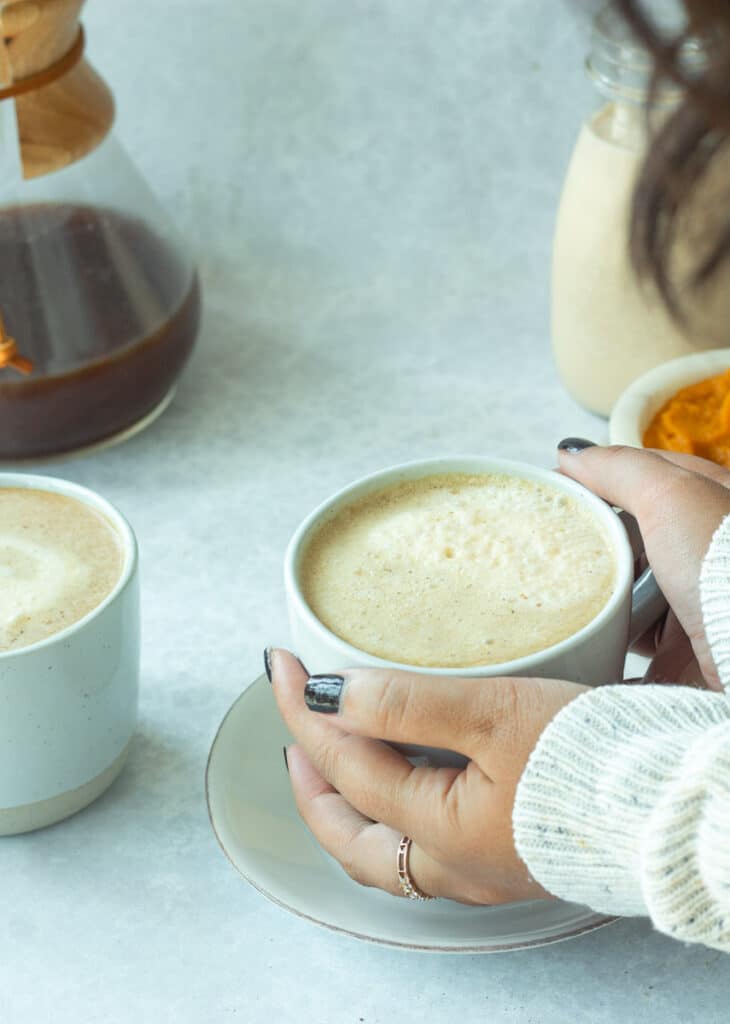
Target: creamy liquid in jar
{"points": [[607, 327]]}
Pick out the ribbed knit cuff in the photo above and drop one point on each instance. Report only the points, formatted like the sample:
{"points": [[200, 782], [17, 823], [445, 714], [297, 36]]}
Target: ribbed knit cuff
{"points": [[715, 599], [584, 805], [685, 863]]}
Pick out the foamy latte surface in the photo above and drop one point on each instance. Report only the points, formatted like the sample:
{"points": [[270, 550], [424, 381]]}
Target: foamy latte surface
{"points": [[59, 558], [458, 570]]}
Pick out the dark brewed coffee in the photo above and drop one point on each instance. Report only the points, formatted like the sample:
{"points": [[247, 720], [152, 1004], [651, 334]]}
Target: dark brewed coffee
{"points": [[107, 312]]}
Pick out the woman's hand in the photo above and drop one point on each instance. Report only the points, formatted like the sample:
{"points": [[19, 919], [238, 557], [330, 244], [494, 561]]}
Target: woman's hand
{"points": [[359, 796], [678, 501]]}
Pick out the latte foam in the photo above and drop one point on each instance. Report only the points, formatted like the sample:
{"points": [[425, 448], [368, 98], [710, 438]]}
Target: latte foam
{"points": [[459, 570], [59, 558]]}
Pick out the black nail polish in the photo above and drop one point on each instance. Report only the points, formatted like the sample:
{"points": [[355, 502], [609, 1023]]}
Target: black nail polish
{"points": [[322, 693], [573, 445], [267, 662], [286, 760]]}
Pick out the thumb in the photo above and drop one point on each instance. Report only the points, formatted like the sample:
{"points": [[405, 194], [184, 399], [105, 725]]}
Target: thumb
{"points": [[403, 707], [677, 509], [632, 478]]}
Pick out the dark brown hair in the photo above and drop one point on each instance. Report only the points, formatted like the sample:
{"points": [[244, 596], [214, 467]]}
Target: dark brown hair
{"points": [[685, 147]]}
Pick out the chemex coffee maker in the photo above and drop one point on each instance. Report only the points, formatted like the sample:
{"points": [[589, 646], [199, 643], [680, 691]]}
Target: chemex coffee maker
{"points": [[99, 302]]}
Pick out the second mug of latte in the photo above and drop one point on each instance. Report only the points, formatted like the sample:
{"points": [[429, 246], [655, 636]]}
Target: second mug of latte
{"points": [[470, 566], [69, 648]]}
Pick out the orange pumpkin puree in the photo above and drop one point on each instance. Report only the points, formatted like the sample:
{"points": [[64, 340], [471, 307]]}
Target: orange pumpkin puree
{"points": [[695, 420]]}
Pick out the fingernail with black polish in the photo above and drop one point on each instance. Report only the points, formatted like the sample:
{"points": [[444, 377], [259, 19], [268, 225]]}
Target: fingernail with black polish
{"points": [[267, 662], [573, 445], [286, 760], [322, 693]]}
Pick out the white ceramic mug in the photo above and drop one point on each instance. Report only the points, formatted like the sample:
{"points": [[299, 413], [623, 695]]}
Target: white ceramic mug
{"points": [[69, 702], [593, 655]]}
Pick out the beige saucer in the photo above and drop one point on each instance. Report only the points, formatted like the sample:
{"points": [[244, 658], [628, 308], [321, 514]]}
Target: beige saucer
{"points": [[254, 818]]}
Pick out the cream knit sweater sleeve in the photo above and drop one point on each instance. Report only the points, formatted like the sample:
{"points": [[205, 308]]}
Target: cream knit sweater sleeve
{"points": [[624, 804]]}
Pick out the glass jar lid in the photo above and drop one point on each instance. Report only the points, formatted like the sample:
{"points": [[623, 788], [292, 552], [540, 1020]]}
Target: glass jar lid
{"points": [[621, 67]]}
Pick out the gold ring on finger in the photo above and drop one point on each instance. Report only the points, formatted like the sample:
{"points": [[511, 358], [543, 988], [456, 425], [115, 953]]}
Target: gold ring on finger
{"points": [[407, 886]]}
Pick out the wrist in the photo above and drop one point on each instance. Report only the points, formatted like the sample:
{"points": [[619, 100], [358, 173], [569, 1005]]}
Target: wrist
{"points": [[584, 802]]}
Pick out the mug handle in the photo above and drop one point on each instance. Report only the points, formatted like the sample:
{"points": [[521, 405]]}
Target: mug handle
{"points": [[648, 603]]}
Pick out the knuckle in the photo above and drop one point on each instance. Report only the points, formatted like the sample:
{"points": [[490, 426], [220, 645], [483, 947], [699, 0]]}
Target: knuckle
{"points": [[630, 459], [462, 834], [615, 453], [675, 479], [617, 450], [393, 705], [496, 708], [675, 488], [329, 756], [354, 870], [451, 819], [509, 694], [350, 860], [453, 837]]}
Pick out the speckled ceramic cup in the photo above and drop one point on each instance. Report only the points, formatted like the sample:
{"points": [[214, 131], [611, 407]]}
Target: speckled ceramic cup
{"points": [[69, 702], [593, 655]]}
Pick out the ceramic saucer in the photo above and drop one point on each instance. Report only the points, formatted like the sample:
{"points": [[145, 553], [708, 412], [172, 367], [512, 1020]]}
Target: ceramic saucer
{"points": [[253, 815]]}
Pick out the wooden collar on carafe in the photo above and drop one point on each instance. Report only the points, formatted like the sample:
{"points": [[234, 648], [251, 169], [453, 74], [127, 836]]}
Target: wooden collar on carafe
{"points": [[63, 108], [10, 358]]}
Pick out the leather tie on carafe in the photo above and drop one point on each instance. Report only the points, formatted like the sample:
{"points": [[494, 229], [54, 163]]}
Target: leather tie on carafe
{"points": [[10, 357], [49, 74]]}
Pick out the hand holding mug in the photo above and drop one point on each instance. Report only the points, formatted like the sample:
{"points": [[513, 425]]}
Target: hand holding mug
{"points": [[678, 501], [359, 796]]}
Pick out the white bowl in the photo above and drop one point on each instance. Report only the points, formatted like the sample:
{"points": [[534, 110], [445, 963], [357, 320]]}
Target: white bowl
{"points": [[639, 403]]}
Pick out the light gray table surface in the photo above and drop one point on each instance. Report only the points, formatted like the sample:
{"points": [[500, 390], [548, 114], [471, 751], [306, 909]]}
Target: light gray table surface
{"points": [[370, 189]]}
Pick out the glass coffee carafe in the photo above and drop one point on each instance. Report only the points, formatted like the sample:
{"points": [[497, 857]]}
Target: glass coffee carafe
{"points": [[99, 301]]}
